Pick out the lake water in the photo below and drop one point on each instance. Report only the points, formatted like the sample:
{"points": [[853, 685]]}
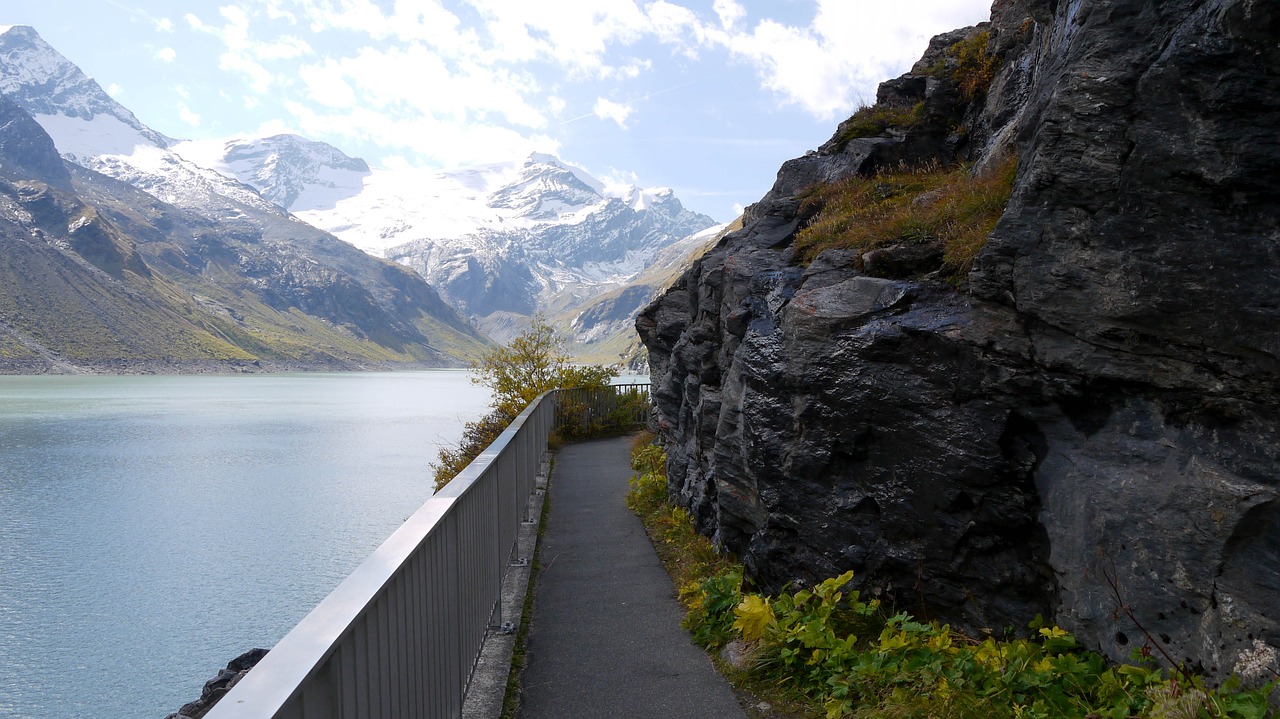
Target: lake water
{"points": [[152, 528]]}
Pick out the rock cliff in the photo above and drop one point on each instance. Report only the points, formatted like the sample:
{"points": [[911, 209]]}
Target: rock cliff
{"points": [[1090, 416]]}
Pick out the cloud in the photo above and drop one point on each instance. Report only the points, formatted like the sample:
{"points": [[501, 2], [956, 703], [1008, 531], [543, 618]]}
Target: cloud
{"points": [[408, 21], [465, 91], [275, 127], [577, 35], [424, 139], [164, 24], [629, 71], [730, 13], [454, 80], [186, 115], [275, 12], [831, 65], [609, 110], [166, 54], [326, 85], [619, 183], [244, 54], [114, 90]]}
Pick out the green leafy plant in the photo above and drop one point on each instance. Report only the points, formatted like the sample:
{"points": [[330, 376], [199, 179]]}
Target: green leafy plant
{"points": [[847, 657], [648, 493], [594, 408], [711, 604]]}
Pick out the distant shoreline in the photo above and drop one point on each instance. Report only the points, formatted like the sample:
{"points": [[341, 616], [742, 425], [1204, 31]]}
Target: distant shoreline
{"points": [[194, 367]]}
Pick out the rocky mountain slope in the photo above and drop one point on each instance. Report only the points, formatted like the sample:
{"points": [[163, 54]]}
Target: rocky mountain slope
{"points": [[295, 173], [603, 327], [1091, 418], [183, 241], [562, 240]]}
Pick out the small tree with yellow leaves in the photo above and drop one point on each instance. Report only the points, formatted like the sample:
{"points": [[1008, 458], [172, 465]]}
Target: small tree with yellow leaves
{"points": [[534, 362]]}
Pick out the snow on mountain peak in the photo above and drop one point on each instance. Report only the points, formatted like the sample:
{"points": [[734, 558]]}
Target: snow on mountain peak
{"points": [[291, 171], [547, 190], [90, 128], [640, 199], [541, 158], [44, 83]]}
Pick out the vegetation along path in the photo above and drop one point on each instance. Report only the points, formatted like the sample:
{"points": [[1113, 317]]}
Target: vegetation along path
{"points": [[606, 639]]}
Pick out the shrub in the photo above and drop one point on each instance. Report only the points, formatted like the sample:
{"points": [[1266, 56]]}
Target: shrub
{"points": [[975, 67], [594, 408], [847, 657], [711, 603], [534, 362]]}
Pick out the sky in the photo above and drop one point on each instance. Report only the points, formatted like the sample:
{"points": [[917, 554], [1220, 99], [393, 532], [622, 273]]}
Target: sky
{"points": [[707, 97]]}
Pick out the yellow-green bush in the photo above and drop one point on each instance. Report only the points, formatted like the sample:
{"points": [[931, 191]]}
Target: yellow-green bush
{"points": [[975, 67], [852, 658], [517, 373]]}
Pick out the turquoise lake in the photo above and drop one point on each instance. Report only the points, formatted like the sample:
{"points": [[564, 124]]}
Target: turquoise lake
{"points": [[154, 527]]}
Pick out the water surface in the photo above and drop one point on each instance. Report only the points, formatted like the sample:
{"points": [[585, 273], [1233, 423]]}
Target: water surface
{"points": [[153, 527]]}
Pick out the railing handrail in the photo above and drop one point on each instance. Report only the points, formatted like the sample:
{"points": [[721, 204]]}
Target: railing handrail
{"points": [[324, 665]]}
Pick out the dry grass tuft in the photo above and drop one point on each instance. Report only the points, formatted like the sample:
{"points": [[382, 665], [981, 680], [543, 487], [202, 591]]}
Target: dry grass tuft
{"points": [[906, 205]]}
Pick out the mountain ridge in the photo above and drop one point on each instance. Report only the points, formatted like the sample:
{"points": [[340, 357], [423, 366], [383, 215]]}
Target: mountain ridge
{"points": [[500, 241], [238, 278]]}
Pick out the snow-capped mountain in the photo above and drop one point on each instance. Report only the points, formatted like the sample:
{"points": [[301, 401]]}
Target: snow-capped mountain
{"points": [[291, 171], [210, 251], [91, 129], [44, 83], [499, 241], [553, 239]]}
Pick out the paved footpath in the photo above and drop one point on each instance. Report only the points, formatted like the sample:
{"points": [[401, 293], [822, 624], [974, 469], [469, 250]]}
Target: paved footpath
{"points": [[606, 639]]}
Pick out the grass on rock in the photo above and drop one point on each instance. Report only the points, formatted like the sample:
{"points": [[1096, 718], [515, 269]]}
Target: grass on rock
{"points": [[909, 205]]}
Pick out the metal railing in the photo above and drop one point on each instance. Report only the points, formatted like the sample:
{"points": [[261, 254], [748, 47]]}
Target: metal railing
{"points": [[593, 410], [399, 637]]}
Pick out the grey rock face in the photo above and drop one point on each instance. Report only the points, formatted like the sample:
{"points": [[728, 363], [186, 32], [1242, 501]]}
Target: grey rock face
{"points": [[1097, 421], [26, 152], [281, 167]]}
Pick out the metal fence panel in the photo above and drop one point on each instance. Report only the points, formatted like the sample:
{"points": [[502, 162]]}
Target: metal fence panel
{"points": [[400, 636]]}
